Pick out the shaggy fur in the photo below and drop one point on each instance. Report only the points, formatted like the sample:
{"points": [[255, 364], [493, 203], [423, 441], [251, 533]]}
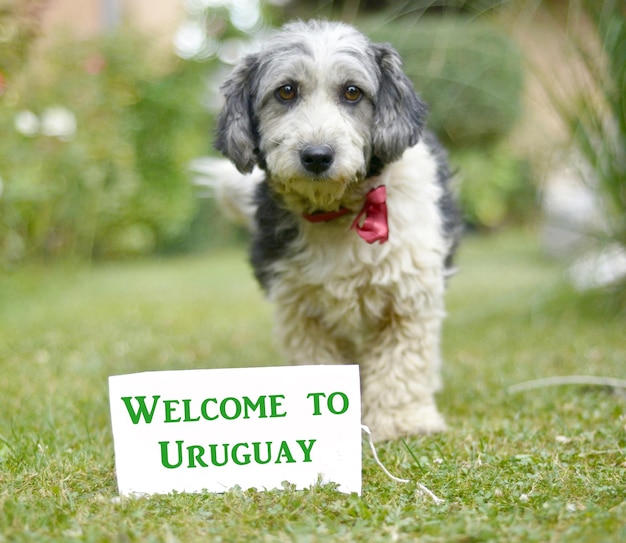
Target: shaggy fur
{"points": [[319, 117]]}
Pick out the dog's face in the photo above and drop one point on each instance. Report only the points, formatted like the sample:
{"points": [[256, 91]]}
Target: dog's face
{"points": [[314, 108]]}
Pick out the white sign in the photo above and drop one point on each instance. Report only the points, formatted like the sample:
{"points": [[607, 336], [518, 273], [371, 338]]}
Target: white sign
{"points": [[195, 430]]}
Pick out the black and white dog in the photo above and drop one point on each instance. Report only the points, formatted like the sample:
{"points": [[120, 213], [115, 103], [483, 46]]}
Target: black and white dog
{"points": [[349, 205]]}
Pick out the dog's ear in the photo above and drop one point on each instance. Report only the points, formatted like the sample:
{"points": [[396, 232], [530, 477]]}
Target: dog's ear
{"points": [[236, 131], [400, 113]]}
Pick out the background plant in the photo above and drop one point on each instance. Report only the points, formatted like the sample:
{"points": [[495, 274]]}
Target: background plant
{"points": [[581, 73], [471, 75], [19, 27], [596, 116], [597, 119], [95, 147]]}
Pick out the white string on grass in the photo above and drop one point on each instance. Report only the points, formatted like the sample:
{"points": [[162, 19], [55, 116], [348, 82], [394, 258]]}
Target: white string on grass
{"points": [[568, 380], [420, 486]]}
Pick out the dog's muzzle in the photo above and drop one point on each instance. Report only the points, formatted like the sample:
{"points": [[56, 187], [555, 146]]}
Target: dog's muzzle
{"points": [[317, 158]]}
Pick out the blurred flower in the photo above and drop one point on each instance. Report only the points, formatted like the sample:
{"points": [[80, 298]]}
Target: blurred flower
{"points": [[95, 64], [245, 15], [191, 41], [59, 122], [26, 123], [232, 51], [3, 84]]}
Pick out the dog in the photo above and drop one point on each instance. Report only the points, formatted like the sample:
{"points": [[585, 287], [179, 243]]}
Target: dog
{"points": [[351, 212]]}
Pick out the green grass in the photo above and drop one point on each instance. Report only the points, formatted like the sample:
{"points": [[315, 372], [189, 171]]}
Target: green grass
{"points": [[542, 465]]}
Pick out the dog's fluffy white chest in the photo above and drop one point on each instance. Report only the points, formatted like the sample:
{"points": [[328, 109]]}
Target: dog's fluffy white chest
{"points": [[337, 277]]}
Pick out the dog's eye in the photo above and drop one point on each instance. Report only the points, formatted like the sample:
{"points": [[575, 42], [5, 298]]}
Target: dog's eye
{"points": [[286, 93], [352, 94]]}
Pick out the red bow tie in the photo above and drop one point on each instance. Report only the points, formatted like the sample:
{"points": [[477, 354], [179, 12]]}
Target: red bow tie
{"points": [[374, 227]]}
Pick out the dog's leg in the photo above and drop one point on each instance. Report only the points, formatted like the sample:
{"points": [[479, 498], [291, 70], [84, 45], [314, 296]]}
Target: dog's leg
{"points": [[304, 338], [400, 370], [306, 341]]}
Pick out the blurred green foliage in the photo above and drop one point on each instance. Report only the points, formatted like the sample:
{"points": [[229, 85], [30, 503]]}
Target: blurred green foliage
{"points": [[18, 29], [471, 75], [414, 8], [96, 142], [468, 72], [597, 120], [496, 187]]}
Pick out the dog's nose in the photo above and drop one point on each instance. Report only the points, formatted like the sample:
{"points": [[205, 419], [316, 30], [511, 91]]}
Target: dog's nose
{"points": [[317, 158]]}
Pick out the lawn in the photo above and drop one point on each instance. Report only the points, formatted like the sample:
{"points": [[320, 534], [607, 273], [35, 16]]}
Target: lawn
{"points": [[547, 464]]}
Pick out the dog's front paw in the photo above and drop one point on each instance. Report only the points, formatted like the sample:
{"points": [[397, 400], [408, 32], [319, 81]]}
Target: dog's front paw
{"points": [[407, 421]]}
